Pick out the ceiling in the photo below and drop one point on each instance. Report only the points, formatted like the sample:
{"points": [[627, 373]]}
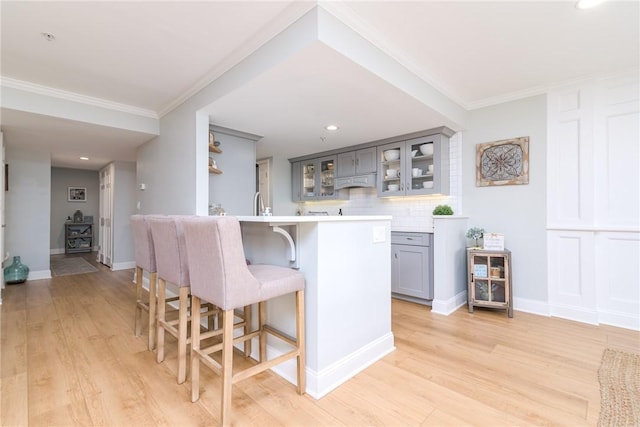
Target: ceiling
{"points": [[150, 56]]}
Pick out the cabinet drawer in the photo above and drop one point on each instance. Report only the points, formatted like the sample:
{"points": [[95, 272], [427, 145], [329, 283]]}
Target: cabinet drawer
{"points": [[414, 239]]}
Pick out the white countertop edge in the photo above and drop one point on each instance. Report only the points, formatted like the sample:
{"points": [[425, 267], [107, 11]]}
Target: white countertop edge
{"points": [[312, 218]]}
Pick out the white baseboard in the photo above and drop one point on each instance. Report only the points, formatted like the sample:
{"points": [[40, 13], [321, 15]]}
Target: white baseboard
{"points": [[446, 307], [323, 382], [621, 320], [531, 306], [39, 275], [123, 265], [56, 251], [579, 314]]}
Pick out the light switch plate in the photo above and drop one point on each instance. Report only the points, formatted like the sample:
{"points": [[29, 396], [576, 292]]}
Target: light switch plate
{"points": [[379, 234]]}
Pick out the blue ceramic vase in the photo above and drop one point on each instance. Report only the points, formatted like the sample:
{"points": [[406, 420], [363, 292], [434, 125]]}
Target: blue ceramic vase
{"points": [[16, 272]]}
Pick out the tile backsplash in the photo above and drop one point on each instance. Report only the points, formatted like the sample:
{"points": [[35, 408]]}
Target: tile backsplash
{"points": [[412, 213]]}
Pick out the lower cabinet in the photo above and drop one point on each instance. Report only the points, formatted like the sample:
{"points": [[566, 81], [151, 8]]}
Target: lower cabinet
{"points": [[78, 237], [412, 266], [489, 279]]}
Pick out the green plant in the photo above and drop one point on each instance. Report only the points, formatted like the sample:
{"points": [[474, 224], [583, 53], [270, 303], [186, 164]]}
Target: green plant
{"points": [[475, 233], [443, 210]]}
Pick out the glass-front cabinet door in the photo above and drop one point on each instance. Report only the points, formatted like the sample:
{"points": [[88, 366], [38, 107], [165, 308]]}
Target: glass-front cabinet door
{"points": [[390, 173], [309, 180], [420, 166], [318, 178], [327, 174], [488, 275]]}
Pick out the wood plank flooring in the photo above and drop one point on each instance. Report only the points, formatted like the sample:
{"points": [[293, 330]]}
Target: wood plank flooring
{"points": [[69, 357]]}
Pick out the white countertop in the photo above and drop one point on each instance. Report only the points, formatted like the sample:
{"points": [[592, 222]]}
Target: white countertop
{"points": [[313, 218]]}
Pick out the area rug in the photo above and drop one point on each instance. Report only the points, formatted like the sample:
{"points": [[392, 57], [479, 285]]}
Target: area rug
{"points": [[619, 376], [69, 266]]}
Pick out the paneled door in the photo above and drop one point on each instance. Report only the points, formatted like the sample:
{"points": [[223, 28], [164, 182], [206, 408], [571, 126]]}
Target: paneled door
{"points": [[105, 239]]}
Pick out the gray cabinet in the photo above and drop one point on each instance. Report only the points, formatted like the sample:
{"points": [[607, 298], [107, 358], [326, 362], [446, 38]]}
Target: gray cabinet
{"points": [[296, 181], [414, 167], [412, 266], [359, 162], [78, 237], [314, 179]]}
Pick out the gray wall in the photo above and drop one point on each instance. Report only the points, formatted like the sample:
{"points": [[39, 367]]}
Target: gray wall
{"points": [[235, 187], [517, 211], [27, 207], [124, 205], [61, 179]]}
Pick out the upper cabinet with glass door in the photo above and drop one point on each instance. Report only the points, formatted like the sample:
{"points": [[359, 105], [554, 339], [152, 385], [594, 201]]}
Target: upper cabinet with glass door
{"points": [[414, 167], [317, 179]]}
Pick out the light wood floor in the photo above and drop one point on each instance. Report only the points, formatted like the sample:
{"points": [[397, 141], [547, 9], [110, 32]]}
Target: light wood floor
{"points": [[69, 357]]}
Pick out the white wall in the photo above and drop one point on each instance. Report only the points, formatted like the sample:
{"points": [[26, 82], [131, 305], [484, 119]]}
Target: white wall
{"points": [[61, 179], [517, 211], [594, 201], [27, 209]]}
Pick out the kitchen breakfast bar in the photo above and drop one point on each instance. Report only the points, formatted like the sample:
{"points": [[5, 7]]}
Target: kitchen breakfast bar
{"points": [[346, 264]]}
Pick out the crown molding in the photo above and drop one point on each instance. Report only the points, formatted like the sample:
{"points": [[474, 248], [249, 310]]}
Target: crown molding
{"points": [[544, 89], [290, 15], [38, 89]]}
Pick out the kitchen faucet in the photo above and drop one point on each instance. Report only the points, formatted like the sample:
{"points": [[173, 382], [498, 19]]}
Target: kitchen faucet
{"points": [[258, 209]]}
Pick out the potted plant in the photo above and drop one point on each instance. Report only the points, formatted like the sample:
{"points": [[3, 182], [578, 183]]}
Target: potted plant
{"points": [[443, 210], [476, 234]]}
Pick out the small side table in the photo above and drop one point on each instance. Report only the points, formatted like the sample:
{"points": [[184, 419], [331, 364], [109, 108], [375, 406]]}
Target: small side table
{"points": [[489, 279]]}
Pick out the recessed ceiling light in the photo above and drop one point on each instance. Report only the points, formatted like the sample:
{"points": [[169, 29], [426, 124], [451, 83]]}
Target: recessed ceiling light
{"points": [[84, 158], [586, 4], [48, 37], [331, 127]]}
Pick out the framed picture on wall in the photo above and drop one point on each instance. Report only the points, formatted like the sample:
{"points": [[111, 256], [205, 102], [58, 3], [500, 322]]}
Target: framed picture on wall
{"points": [[76, 194]]}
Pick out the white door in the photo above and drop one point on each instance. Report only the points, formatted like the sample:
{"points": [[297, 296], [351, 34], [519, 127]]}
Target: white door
{"points": [[264, 181], [105, 241]]}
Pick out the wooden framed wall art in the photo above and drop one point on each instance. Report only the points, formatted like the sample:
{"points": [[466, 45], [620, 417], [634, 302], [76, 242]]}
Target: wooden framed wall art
{"points": [[504, 162]]}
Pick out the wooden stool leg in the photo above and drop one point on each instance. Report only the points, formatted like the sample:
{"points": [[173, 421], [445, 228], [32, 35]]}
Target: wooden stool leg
{"points": [[227, 365], [300, 341], [247, 330], [182, 334], [138, 319], [162, 310], [153, 278], [262, 338], [195, 347]]}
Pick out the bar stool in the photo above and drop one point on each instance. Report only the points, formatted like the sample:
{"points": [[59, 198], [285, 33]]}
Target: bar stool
{"points": [[171, 262], [145, 261], [220, 275]]}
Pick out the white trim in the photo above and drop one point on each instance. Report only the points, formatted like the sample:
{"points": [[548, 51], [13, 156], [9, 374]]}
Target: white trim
{"points": [[541, 308], [56, 251], [621, 320], [594, 228], [579, 314], [39, 275], [446, 307], [331, 377], [123, 265], [75, 97]]}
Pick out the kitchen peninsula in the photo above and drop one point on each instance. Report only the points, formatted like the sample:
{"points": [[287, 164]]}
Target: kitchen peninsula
{"points": [[345, 260]]}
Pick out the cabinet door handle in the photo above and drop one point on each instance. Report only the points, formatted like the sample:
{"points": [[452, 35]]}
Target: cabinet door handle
{"points": [[395, 255]]}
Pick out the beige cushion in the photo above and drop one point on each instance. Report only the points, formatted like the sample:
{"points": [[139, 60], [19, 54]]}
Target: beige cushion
{"points": [[218, 271]]}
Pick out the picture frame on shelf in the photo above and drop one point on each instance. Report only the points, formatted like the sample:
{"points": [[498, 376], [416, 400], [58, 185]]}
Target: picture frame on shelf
{"points": [[76, 194]]}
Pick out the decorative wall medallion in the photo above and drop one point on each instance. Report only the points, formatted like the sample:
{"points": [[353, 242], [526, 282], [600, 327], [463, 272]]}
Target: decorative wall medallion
{"points": [[503, 162]]}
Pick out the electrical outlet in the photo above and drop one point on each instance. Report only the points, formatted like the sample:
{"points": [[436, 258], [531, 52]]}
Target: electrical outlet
{"points": [[379, 234]]}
